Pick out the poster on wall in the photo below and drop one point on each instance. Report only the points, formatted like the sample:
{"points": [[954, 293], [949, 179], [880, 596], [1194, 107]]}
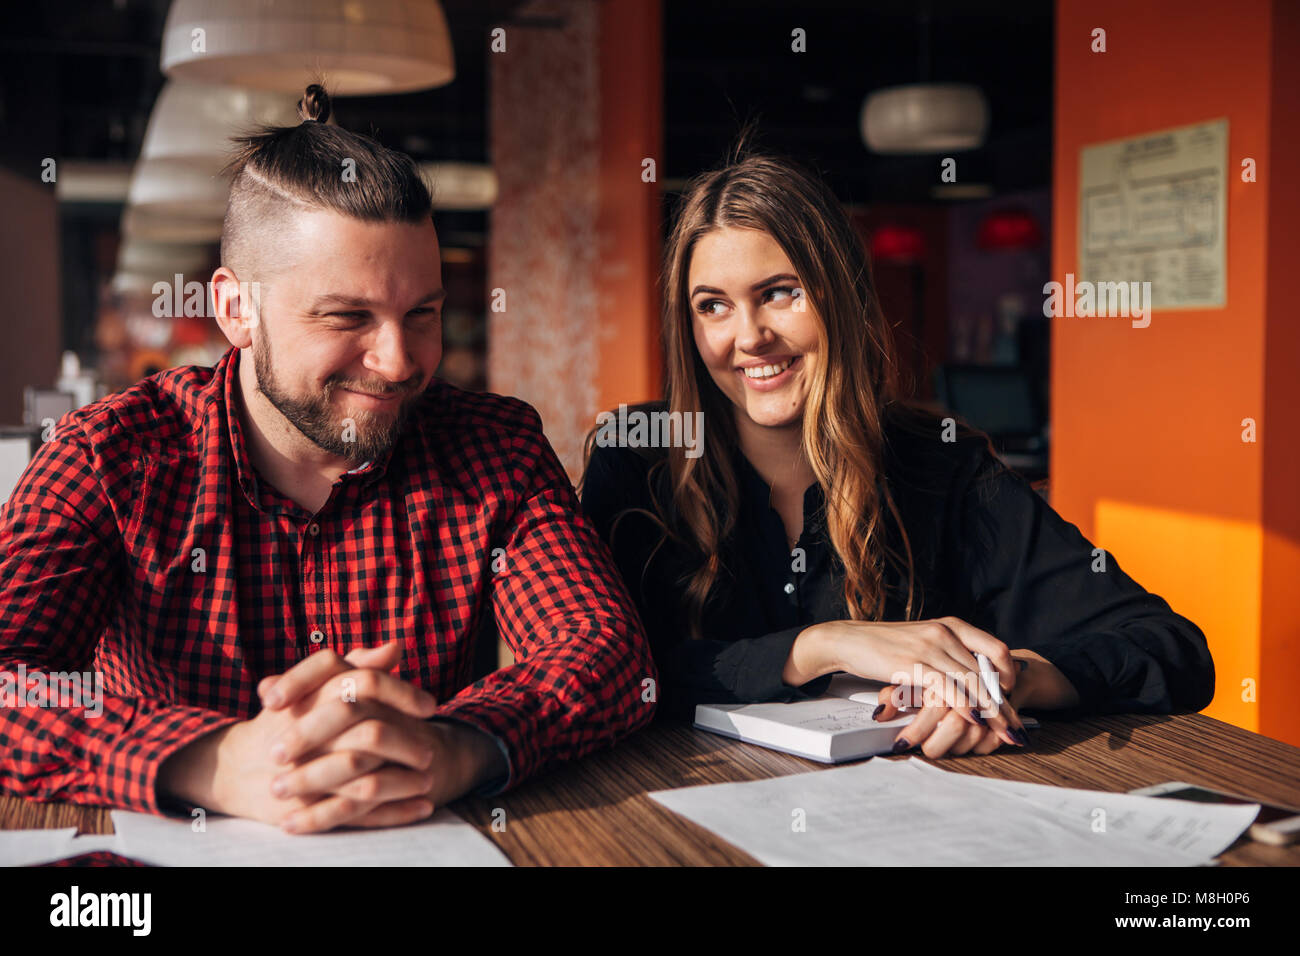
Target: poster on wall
{"points": [[1153, 208]]}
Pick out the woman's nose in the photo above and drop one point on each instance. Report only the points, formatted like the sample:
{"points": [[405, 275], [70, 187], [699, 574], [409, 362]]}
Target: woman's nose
{"points": [[752, 331]]}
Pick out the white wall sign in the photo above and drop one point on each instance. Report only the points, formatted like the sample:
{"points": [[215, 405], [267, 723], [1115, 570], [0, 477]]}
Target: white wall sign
{"points": [[1154, 209]]}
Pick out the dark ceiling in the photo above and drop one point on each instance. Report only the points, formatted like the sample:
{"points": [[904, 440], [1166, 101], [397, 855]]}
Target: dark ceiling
{"points": [[79, 77]]}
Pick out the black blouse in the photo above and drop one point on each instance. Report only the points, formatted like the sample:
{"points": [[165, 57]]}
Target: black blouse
{"points": [[987, 549]]}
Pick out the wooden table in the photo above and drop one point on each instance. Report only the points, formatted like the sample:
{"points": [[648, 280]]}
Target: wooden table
{"points": [[596, 812]]}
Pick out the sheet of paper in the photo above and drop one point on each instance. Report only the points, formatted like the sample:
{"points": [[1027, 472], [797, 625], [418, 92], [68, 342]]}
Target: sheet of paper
{"points": [[445, 840], [26, 847], [884, 813], [1200, 830], [33, 847]]}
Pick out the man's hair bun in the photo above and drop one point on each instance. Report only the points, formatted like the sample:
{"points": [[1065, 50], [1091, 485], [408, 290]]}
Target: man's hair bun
{"points": [[315, 104]]}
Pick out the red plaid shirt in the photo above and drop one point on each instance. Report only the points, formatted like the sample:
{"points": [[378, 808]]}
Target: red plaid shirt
{"points": [[140, 543]]}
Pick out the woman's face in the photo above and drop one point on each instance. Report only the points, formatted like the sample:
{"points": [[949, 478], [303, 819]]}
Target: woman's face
{"points": [[754, 328]]}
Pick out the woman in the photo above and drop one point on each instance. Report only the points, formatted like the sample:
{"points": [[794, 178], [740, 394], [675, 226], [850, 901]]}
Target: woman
{"points": [[828, 525]]}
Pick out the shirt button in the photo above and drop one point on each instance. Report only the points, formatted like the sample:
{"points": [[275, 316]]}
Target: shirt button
{"points": [[789, 589], [313, 529], [317, 637]]}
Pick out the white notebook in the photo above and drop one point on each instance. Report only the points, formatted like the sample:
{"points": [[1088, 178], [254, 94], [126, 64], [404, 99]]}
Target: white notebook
{"points": [[830, 729]]}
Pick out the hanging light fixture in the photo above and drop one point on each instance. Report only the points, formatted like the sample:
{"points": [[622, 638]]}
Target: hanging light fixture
{"points": [[900, 245], [1008, 229], [460, 185], [924, 117], [358, 46], [141, 263], [140, 223], [177, 184]]}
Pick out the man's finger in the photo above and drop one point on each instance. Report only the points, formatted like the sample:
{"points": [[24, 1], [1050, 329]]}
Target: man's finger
{"points": [[324, 774], [395, 813], [303, 678], [365, 685], [408, 749], [381, 658], [389, 783], [326, 721], [380, 787], [373, 657]]}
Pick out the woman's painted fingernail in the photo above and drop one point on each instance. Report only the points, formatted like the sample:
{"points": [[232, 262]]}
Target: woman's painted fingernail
{"points": [[1022, 738], [900, 745], [979, 719], [880, 709]]}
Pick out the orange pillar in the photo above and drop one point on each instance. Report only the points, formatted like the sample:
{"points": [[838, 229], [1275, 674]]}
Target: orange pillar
{"points": [[1148, 455], [631, 125], [575, 113]]}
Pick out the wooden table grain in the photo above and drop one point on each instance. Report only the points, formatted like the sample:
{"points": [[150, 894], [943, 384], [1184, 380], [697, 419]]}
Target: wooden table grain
{"points": [[596, 812]]}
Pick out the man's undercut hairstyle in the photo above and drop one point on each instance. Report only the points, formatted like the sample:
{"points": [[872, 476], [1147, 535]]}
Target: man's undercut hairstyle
{"points": [[281, 170]]}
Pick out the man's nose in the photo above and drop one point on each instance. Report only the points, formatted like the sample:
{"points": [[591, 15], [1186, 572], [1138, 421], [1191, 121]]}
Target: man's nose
{"points": [[389, 356]]}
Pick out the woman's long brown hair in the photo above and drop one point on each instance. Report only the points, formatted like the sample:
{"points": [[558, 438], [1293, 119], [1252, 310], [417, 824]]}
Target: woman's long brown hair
{"points": [[843, 421]]}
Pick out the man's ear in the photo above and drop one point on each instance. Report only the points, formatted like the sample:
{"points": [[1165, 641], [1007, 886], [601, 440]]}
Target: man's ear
{"points": [[236, 305]]}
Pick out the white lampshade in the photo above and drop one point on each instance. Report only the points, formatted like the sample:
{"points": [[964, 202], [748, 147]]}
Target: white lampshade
{"points": [[194, 121], [925, 118], [177, 179], [133, 284], [358, 46], [460, 185], [147, 222], [141, 263]]}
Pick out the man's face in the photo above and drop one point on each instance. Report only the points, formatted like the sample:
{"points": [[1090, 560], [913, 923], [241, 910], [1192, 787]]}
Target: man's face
{"points": [[350, 336]]}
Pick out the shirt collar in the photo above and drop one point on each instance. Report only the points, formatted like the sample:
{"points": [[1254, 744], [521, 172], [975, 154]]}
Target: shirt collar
{"points": [[227, 373]]}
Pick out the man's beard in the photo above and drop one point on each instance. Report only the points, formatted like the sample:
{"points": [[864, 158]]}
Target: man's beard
{"points": [[372, 432]]}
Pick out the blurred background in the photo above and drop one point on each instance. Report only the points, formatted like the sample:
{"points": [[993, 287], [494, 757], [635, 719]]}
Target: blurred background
{"points": [[556, 135]]}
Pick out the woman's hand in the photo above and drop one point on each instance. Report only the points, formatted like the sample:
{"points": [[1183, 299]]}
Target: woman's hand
{"points": [[936, 657], [938, 730]]}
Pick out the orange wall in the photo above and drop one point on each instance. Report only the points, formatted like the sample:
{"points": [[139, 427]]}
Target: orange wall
{"points": [[1147, 454], [631, 127]]}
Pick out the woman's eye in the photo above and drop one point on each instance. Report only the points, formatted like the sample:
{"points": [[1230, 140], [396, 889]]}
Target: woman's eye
{"points": [[710, 307], [786, 292]]}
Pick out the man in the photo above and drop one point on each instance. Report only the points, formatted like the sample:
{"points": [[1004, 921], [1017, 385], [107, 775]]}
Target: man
{"points": [[278, 564]]}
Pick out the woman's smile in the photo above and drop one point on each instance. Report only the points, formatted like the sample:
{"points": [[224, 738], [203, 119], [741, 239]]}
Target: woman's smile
{"points": [[771, 374]]}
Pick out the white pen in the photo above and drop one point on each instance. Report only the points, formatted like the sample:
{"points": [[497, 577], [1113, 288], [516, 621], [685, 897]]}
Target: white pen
{"points": [[989, 675]]}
